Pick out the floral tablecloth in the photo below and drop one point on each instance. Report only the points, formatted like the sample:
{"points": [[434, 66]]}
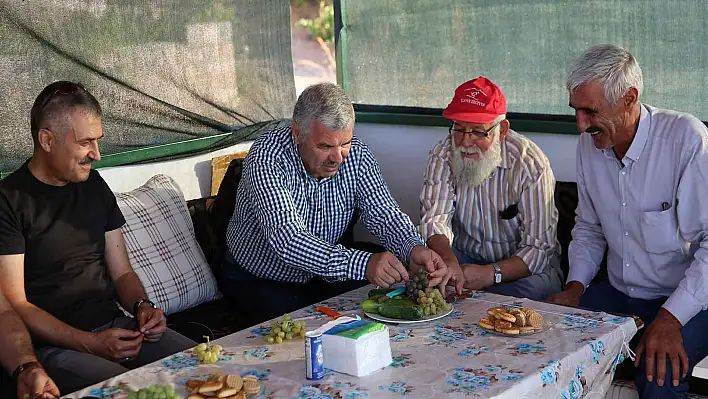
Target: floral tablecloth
{"points": [[449, 357]]}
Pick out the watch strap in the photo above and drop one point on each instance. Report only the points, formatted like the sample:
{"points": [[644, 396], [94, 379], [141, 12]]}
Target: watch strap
{"points": [[497, 273], [25, 366], [139, 302]]}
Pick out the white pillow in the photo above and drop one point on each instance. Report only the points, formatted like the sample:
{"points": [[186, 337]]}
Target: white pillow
{"points": [[162, 247]]}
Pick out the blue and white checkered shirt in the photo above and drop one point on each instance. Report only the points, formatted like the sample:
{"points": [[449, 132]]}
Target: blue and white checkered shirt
{"points": [[286, 223]]}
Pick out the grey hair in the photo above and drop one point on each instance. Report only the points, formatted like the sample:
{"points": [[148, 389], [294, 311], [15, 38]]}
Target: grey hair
{"points": [[326, 103], [612, 66]]}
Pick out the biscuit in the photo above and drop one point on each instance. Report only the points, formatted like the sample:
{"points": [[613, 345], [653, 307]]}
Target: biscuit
{"points": [[251, 387], [250, 377], [526, 330], [520, 317], [195, 396], [486, 323], [210, 386], [234, 381], [506, 316], [510, 331], [535, 320], [502, 324], [193, 385], [226, 392], [217, 377], [492, 312], [208, 395]]}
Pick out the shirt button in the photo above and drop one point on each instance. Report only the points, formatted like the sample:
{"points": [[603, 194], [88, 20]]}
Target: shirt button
{"points": [[624, 204], [624, 173], [631, 289], [626, 233], [626, 264]]}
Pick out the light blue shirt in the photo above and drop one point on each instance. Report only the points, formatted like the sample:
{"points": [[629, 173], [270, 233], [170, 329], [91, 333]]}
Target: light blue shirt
{"points": [[650, 210]]}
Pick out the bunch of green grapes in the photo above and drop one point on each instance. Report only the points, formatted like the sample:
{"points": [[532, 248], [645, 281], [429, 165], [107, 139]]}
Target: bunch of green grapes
{"points": [[432, 301], [417, 283], [285, 329], [208, 353], [155, 392]]}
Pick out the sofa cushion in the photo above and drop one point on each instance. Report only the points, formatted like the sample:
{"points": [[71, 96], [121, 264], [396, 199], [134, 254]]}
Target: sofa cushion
{"points": [[162, 247]]}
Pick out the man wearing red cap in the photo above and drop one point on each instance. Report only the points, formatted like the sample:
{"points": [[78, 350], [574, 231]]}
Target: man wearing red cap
{"points": [[487, 201]]}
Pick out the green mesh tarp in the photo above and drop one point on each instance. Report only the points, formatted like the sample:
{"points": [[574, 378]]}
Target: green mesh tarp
{"points": [[415, 52], [163, 71]]}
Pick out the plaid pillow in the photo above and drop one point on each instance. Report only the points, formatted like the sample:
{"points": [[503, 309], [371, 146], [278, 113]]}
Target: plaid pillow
{"points": [[162, 247]]}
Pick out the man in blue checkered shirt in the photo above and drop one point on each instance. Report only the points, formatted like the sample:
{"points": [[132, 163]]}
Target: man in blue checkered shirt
{"points": [[300, 186]]}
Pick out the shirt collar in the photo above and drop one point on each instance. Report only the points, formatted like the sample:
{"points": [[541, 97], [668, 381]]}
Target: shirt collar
{"points": [[506, 162], [640, 138]]}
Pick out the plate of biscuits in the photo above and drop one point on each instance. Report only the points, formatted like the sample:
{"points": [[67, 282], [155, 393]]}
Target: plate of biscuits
{"points": [[224, 386], [514, 321]]}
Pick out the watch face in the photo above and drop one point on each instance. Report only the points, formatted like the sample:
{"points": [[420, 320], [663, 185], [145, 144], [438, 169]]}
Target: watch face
{"points": [[497, 278]]}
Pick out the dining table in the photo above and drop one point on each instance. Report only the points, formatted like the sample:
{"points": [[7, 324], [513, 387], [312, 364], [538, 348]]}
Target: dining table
{"points": [[575, 356]]}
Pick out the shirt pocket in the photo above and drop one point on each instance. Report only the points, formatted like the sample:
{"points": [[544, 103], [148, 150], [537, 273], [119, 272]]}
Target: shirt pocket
{"points": [[660, 231]]}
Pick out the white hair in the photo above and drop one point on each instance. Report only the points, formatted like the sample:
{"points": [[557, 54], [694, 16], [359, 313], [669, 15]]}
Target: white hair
{"points": [[612, 66], [472, 173], [326, 103]]}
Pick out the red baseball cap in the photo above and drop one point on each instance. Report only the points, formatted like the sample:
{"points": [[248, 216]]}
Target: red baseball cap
{"points": [[476, 101]]}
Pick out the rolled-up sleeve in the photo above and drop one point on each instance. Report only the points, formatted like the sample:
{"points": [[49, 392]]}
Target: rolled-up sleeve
{"points": [[539, 218], [588, 244], [437, 197], [691, 296]]}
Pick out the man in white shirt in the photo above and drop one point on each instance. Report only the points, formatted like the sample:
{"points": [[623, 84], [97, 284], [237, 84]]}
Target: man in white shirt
{"points": [[487, 202], [642, 176]]}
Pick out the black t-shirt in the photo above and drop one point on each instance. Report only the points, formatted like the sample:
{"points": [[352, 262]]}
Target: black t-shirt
{"points": [[61, 232]]}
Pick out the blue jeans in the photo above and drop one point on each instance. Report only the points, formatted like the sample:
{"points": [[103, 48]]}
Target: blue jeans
{"points": [[603, 296], [536, 286]]}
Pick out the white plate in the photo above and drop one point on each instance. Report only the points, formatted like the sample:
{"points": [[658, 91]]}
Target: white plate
{"points": [[425, 319]]}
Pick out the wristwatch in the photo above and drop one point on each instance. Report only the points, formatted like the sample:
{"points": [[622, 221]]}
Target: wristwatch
{"points": [[497, 274], [25, 366], [137, 304]]}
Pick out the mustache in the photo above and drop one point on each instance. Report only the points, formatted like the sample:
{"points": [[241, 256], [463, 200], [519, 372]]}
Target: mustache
{"points": [[330, 164], [593, 129], [86, 161]]}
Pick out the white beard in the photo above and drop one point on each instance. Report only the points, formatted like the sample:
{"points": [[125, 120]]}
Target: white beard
{"points": [[473, 172]]}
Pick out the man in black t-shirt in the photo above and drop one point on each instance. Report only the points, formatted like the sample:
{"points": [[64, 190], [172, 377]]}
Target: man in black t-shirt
{"points": [[63, 262]]}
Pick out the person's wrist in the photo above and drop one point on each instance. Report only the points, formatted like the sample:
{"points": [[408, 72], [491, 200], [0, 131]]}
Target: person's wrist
{"points": [[575, 288], [24, 368], [141, 303], [488, 275], [669, 318]]}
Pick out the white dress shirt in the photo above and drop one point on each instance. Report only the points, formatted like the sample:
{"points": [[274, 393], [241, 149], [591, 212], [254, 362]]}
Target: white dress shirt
{"points": [[650, 209]]}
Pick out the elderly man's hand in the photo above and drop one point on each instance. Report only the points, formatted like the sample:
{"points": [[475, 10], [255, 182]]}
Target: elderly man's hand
{"points": [[568, 297], [423, 257], [35, 383], [660, 342]]}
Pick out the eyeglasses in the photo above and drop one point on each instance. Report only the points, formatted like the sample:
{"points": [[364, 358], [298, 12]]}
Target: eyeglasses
{"points": [[475, 134], [64, 88]]}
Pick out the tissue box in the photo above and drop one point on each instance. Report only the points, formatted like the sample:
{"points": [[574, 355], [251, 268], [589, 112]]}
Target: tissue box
{"points": [[356, 348]]}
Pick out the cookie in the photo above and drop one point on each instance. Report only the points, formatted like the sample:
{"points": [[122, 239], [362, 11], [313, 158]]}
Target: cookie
{"points": [[492, 312], [502, 324], [506, 316], [535, 320], [193, 385], [486, 323], [251, 387], [234, 381], [510, 331], [520, 317], [250, 377], [195, 396], [526, 330], [210, 386], [226, 392]]}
